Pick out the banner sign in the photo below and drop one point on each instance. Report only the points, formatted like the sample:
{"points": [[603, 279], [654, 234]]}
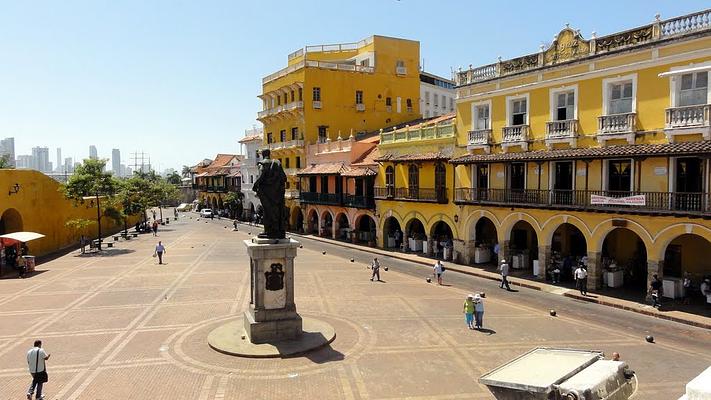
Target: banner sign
{"points": [[638, 200]]}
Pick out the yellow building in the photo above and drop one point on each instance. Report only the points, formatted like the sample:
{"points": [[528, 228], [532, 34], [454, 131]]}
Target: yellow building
{"points": [[594, 148], [414, 187], [31, 201], [331, 91], [214, 180]]}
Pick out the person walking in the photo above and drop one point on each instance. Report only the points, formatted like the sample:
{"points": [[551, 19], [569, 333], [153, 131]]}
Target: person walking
{"points": [[478, 311], [580, 279], [155, 228], [686, 283], [160, 249], [438, 271], [36, 358], [375, 266], [504, 275], [469, 311], [398, 238], [655, 288]]}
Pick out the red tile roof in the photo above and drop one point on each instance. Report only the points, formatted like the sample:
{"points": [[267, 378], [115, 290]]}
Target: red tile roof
{"points": [[428, 156], [323, 169]]}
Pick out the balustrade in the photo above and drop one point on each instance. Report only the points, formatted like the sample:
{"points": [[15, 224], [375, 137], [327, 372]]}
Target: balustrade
{"points": [[687, 116], [617, 123]]}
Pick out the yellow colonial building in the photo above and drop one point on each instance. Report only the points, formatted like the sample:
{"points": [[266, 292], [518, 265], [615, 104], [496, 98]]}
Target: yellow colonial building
{"points": [[327, 92], [590, 149]]}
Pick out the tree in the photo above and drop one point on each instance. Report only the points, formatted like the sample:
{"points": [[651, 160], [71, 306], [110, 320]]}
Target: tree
{"points": [[5, 162], [186, 171], [91, 180], [78, 226], [174, 179], [233, 201]]}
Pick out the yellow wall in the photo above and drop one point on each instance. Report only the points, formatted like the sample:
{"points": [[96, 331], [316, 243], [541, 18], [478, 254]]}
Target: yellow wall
{"points": [[43, 209]]}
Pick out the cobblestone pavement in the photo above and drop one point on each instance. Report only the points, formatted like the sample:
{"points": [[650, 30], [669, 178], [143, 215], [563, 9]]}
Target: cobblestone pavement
{"points": [[119, 326]]}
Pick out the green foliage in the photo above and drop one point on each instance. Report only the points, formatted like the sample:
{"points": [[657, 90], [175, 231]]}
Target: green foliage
{"points": [[186, 171], [233, 201], [90, 179], [78, 226], [174, 179], [5, 162]]}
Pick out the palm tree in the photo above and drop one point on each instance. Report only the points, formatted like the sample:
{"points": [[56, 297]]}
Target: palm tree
{"points": [[186, 171]]}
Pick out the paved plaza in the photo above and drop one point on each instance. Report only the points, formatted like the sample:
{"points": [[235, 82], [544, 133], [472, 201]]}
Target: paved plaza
{"points": [[119, 326]]}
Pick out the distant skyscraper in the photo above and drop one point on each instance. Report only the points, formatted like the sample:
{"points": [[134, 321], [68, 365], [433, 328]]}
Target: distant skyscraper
{"points": [[24, 161], [40, 159], [68, 165], [93, 154], [59, 159], [116, 162], [7, 149]]}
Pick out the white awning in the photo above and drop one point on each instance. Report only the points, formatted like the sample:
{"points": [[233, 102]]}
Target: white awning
{"points": [[22, 236], [685, 71]]}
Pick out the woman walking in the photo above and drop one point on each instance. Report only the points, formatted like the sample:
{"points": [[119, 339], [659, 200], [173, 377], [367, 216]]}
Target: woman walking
{"points": [[478, 311], [469, 311]]}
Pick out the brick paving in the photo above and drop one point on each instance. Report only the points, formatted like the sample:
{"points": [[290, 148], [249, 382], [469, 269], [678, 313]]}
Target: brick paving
{"points": [[119, 326]]}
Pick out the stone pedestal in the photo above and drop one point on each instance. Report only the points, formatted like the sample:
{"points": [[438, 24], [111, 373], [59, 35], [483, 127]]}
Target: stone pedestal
{"points": [[271, 315]]}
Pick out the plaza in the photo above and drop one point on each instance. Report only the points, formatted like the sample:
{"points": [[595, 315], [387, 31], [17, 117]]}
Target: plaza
{"points": [[119, 326]]}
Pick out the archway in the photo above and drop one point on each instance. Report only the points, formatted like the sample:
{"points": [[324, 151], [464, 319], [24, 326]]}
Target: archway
{"points": [[365, 229], [342, 227], [523, 246], [312, 222], [220, 204], [624, 260], [688, 253], [415, 235], [486, 241], [214, 205], [390, 227], [10, 221], [442, 240], [326, 224], [297, 220], [568, 247]]}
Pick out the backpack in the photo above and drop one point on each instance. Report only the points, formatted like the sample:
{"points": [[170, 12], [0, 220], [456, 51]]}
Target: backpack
{"points": [[443, 268]]}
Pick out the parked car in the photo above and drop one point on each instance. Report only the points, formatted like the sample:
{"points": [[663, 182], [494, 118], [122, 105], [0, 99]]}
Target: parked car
{"points": [[184, 207], [206, 213]]}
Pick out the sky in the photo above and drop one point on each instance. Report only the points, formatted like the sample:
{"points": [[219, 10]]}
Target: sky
{"points": [[179, 79]]}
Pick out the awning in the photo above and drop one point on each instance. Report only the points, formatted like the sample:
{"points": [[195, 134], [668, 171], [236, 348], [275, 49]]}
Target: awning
{"points": [[686, 71], [359, 171], [22, 236]]}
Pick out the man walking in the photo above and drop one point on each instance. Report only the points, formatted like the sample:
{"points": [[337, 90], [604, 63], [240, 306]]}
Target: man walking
{"points": [[504, 275], [656, 291], [155, 228], [160, 249], [36, 358], [438, 271], [398, 238], [375, 265], [581, 280]]}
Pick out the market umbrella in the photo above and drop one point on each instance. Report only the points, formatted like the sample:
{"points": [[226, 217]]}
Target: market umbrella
{"points": [[22, 236]]}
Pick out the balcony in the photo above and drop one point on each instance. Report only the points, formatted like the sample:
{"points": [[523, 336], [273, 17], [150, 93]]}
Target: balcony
{"points": [[440, 131], [688, 119], [617, 126], [401, 70], [593, 200], [216, 189], [360, 107], [350, 200], [515, 135], [293, 106], [289, 144], [563, 131], [316, 104], [291, 194], [479, 139], [334, 199], [412, 194]]}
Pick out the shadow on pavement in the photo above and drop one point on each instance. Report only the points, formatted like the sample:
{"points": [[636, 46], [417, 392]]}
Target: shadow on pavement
{"points": [[106, 253]]}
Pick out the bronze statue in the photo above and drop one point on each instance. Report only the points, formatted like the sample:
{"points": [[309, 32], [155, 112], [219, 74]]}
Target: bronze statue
{"points": [[270, 188]]}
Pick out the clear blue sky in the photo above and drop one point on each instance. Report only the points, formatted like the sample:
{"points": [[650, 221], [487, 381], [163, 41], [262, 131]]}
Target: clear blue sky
{"points": [[179, 79]]}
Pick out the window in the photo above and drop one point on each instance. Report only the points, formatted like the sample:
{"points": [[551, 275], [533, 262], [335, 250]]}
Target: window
{"points": [[400, 64], [324, 183], [390, 180], [317, 94], [256, 154], [388, 102], [282, 135], [270, 139], [359, 97], [301, 94], [322, 135], [365, 62], [278, 100], [482, 176], [294, 133], [619, 175], [427, 113], [413, 180], [436, 97], [251, 179], [517, 176], [565, 106], [293, 96], [287, 163], [399, 104], [440, 181], [286, 98], [518, 112], [312, 184], [298, 162], [427, 98], [481, 117], [694, 89], [409, 104], [620, 98]]}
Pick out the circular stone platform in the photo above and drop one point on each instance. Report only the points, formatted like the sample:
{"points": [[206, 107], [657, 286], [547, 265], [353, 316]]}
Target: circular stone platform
{"points": [[228, 339]]}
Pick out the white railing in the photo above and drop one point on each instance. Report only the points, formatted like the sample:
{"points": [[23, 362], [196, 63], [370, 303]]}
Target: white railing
{"points": [[296, 54], [283, 72], [276, 110], [291, 171], [687, 23], [515, 133], [360, 107], [284, 145], [426, 133], [477, 74], [316, 104], [294, 105], [316, 64], [479, 137], [401, 70], [687, 116], [616, 123], [331, 146], [323, 48], [562, 129]]}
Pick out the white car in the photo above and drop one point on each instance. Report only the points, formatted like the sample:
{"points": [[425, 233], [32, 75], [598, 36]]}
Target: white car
{"points": [[183, 207], [206, 213]]}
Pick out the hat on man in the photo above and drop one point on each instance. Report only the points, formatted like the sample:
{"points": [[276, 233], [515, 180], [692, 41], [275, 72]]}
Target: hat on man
{"points": [[477, 298], [471, 296], [503, 260]]}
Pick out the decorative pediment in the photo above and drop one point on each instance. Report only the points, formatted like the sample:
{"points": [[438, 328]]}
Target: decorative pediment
{"points": [[568, 45]]}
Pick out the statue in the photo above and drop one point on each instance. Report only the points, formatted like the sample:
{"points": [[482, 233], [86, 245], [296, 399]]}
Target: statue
{"points": [[270, 189]]}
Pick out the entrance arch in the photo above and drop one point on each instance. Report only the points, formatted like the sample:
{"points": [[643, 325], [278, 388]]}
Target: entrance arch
{"points": [[442, 240], [391, 226], [688, 253], [297, 220], [523, 245], [342, 226], [568, 247], [10, 221], [623, 250], [365, 228], [312, 222], [415, 235], [214, 205], [327, 224]]}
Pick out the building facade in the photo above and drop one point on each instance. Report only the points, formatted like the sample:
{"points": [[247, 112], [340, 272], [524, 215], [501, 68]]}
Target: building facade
{"points": [[215, 180], [93, 154], [250, 146], [116, 162], [40, 159], [591, 149], [437, 95], [327, 92]]}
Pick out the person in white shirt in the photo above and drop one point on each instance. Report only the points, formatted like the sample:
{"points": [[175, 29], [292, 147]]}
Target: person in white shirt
{"points": [[504, 268], [160, 249], [36, 358], [580, 279], [438, 271]]}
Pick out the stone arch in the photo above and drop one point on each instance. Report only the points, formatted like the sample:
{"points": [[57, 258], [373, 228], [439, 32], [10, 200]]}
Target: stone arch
{"points": [[340, 223], [442, 236], [365, 228], [10, 221], [553, 223], [628, 251], [297, 219], [668, 234], [687, 253], [312, 221], [436, 219], [326, 223], [522, 246], [483, 230], [214, 204], [508, 223], [390, 225], [601, 230], [220, 203], [415, 226], [474, 218]]}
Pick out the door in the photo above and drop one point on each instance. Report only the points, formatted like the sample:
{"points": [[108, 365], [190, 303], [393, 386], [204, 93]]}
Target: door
{"points": [[517, 182], [563, 183], [390, 181], [689, 184], [482, 181], [441, 182]]}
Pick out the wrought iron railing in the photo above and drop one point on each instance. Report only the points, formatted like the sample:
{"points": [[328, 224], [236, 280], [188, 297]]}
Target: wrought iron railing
{"points": [[321, 198], [434, 195], [350, 200]]}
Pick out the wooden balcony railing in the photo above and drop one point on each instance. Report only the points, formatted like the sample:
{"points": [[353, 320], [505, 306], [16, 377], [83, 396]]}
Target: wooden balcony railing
{"points": [[438, 195], [688, 116], [335, 199], [652, 202], [350, 200]]}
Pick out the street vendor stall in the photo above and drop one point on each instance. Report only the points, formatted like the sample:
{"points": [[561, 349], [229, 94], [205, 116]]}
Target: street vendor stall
{"points": [[14, 244]]}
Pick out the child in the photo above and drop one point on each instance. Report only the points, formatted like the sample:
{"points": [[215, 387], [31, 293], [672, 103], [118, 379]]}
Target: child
{"points": [[469, 311]]}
